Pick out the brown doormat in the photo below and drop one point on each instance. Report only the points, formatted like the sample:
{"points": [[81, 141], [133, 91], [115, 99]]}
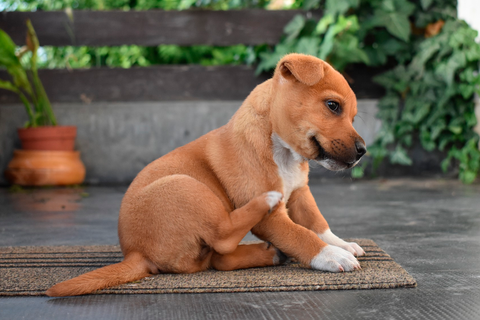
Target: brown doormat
{"points": [[29, 271]]}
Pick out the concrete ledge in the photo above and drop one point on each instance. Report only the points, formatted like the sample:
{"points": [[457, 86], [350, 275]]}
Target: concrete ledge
{"points": [[118, 139]]}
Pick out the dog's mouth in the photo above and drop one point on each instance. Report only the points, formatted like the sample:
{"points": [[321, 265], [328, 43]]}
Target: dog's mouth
{"points": [[327, 160], [322, 154]]}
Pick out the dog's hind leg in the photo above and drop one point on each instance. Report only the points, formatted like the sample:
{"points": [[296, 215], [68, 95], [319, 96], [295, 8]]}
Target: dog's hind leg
{"points": [[248, 256], [178, 222], [232, 227]]}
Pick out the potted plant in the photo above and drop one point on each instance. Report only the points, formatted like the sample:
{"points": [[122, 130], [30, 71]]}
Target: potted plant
{"points": [[47, 156]]}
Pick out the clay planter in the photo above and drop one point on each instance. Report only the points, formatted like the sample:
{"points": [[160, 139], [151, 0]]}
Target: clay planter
{"points": [[60, 138], [47, 158], [42, 168]]}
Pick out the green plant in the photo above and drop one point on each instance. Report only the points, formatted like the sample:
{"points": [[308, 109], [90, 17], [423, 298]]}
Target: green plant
{"points": [[430, 98], [330, 39], [25, 81], [429, 94], [129, 56], [351, 31]]}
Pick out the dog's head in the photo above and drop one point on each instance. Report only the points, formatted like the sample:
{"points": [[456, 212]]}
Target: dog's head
{"points": [[313, 111]]}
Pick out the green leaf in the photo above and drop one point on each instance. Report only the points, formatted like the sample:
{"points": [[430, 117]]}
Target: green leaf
{"points": [[399, 156], [402, 128], [455, 129], [269, 60], [468, 176], [470, 119], [426, 140], [472, 53], [7, 85], [32, 40], [388, 138], [446, 164], [327, 44], [468, 75], [466, 90], [186, 4], [349, 23], [11, 62], [418, 62], [437, 128], [404, 7], [376, 20], [377, 151], [396, 79], [335, 7], [391, 46], [444, 140], [358, 172], [425, 4], [422, 109], [20, 78], [294, 27], [399, 26], [310, 4], [388, 5], [323, 24], [446, 70], [346, 50], [375, 57], [407, 140], [7, 51], [308, 45], [343, 24]]}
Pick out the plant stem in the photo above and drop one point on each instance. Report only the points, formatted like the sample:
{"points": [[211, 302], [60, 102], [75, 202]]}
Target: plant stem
{"points": [[43, 98], [25, 101], [44, 105]]}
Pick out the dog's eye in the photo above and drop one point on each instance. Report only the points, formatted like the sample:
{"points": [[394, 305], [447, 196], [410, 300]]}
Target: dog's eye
{"points": [[333, 105]]}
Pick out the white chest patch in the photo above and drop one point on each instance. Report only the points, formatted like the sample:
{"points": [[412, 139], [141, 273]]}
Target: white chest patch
{"points": [[288, 162]]}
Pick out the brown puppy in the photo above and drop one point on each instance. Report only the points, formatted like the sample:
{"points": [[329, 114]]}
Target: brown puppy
{"points": [[188, 210]]}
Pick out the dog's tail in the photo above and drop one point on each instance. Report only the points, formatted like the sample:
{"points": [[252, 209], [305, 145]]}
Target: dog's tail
{"points": [[133, 267]]}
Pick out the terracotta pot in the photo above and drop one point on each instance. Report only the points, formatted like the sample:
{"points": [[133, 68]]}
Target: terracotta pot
{"points": [[61, 138], [42, 168]]}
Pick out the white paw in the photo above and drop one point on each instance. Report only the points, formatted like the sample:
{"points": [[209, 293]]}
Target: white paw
{"points": [[351, 247], [332, 239], [354, 248], [273, 198], [334, 259]]}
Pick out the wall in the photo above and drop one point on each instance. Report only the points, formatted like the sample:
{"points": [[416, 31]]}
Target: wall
{"points": [[117, 140]]}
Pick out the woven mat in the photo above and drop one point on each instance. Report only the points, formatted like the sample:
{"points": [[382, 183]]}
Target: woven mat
{"points": [[29, 271]]}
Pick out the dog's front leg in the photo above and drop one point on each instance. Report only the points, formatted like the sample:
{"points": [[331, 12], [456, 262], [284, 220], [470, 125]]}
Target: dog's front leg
{"points": [[303, 244], [303, 210]]}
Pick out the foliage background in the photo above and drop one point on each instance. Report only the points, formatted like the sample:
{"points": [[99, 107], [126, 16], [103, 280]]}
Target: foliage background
{"points": [[433, 56], [129, 56]]}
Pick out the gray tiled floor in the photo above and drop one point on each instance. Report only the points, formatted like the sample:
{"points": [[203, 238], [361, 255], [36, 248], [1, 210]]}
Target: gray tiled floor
{"points": [[430, 227]]}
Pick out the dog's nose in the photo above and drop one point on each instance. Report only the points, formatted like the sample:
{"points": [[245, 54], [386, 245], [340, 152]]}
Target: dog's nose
{"points": [[361, 149]]}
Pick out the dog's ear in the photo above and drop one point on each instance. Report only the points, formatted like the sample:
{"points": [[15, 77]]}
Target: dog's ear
{"points": [[306, 69]]}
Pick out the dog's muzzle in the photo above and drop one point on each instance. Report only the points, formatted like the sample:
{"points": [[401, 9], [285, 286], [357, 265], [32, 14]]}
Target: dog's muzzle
{"points": [[333, 163]]}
